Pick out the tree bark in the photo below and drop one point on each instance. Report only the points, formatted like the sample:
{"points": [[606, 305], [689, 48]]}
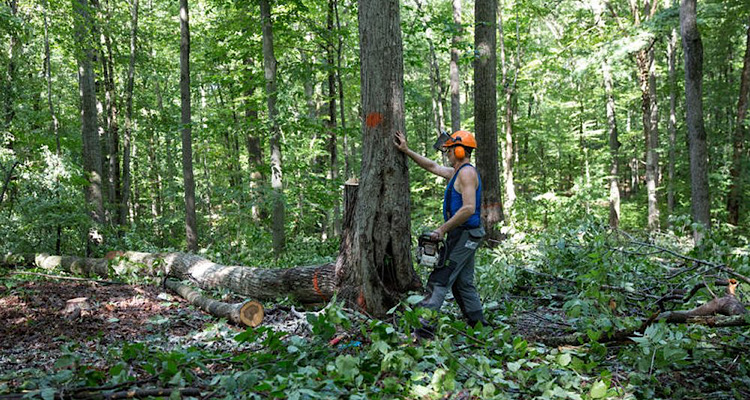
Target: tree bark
{"points": [[129, 116], [485, 114], [380, 262], [92, 164], [247, 313], [436, 85], [269, 66], [8, 85], [672, 126], [455, 77], [614, 148], [735, 197], [646, 65], [509, 92], [306, 284], [647, 83], [333, 171], [191, 226], [693, 54]]}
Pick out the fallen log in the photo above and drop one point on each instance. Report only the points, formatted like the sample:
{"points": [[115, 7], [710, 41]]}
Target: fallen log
{"points": [[247, 313], [306, 284], [728, 305]]}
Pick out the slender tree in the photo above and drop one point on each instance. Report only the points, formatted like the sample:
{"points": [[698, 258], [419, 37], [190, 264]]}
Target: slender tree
{"points": [[333, 170], [693, 55], [191, 224], [436, 84], [269, 66], [672, 125], [127, 137], [614, 148], [92, 164], [647, 83], [509, 88], [9, 79], [485, 113], [455, 76], [734, 199]]}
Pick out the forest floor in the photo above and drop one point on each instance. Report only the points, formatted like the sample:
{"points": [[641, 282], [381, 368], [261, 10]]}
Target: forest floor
{"points": [[36, 330]]}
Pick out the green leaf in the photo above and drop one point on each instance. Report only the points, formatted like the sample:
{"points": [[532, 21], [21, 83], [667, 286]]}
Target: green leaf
{"points": [[47, 393], [598, 390], [564, 359], [346, 365]]}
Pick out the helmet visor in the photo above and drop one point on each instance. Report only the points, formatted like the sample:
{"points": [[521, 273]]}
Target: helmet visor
{"points": [[444, 137]]}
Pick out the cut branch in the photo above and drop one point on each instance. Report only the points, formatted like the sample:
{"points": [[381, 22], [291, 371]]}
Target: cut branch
{"points": [[248, 313]]}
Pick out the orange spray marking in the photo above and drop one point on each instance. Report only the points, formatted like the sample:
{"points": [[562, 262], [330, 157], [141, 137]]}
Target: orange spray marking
{"points": [[361, 300], [374, 119]]}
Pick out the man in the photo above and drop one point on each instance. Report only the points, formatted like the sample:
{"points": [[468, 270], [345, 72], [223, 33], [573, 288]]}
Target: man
{"points": [[461, 209]]}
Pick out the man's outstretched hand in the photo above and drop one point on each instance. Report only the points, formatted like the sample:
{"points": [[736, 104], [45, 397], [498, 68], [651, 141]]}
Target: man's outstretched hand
{"points": [[400, 141]]}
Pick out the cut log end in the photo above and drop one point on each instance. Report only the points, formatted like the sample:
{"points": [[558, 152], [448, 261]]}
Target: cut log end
{"points": [[251, 313]]}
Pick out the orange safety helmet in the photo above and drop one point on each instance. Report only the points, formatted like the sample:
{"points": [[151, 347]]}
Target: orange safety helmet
{"points": [[461, 138]]}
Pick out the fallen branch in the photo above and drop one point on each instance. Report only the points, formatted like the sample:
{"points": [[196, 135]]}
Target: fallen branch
{"points": [[721, 267], [731, 312], [248, 313]]}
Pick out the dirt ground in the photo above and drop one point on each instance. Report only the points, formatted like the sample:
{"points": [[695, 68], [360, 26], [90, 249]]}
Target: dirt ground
{"points": [[36, 327]]}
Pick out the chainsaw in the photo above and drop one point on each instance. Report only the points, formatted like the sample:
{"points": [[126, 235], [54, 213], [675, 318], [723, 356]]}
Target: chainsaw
{"points": [[429, 251]]}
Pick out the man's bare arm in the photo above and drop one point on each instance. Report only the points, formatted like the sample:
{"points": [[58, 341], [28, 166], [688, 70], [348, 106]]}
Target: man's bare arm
{"points": [[400, 141]]}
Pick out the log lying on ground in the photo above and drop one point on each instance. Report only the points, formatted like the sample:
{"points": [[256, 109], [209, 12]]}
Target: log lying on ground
{"points": [[306, 284], [248, 313], [728, 305]]}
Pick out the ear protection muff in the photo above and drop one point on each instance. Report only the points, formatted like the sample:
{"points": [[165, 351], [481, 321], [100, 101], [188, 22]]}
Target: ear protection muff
{"points": [[459, 151]]}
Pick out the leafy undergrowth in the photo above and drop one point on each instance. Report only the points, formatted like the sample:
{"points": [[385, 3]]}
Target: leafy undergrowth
{"points": [[539, 287]]}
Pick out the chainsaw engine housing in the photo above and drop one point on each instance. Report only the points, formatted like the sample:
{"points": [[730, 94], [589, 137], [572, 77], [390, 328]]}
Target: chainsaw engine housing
{"points": [[429, 251]]}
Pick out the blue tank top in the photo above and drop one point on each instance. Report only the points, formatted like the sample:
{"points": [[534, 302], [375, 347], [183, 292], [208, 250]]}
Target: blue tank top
{"points": [[452, 201]]}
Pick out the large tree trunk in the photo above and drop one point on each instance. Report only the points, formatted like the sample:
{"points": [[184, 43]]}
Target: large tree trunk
{"points": [[92, 164], [269, 66], [485, 114], [454, 71], [614, 148], [191, 225], [129, 116], [693, 50], [734, 199], [380, 261]]}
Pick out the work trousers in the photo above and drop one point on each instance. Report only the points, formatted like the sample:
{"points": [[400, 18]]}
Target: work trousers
{"points": [[457, 273]]}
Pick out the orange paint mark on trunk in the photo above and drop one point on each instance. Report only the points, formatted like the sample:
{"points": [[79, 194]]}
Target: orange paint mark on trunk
{"points": [[361, 300], [374, 119]]}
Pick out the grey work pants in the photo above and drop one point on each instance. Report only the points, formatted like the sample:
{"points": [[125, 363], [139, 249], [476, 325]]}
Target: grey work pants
{"points": [[457, 274]]}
